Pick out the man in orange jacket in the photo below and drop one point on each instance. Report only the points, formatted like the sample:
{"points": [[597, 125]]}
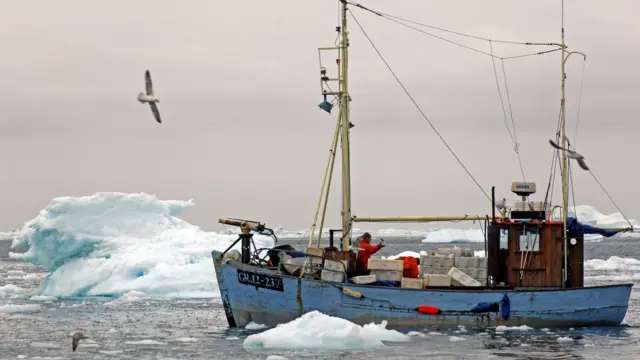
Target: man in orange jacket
{"points": [[410, 267], [365, 252]]}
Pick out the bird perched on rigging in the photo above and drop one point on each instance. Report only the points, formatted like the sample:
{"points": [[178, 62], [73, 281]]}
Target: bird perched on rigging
{"points": [[149, 97], [571, 155], [76, 339]]}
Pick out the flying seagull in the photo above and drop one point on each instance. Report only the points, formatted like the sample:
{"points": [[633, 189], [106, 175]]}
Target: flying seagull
{"points": [[76, 339], [149, 97], [572, 155]]}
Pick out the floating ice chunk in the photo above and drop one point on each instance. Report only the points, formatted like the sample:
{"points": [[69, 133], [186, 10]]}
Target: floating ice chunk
{"points": [[416, 333], [145, 342], [15, 309], [254, 326], [612, 264], [564, 339], [187, 339], [113, 243], [315, 330], [503, 328], [11, 290]]}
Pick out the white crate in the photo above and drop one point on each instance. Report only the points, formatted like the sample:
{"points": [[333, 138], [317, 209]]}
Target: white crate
{"points": [[455, 251], [412, 283], [333, 276], [387, 275], [464, 262], [481, 262], [364, 279], [434, 270], [479, 274], [436, 261], [315, 261], [336, 265], [459, 278], [383, 264], [436, 280]]}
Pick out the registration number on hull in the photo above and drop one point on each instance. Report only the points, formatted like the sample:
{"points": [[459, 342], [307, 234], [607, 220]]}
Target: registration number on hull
{"points": [[260, 280]]}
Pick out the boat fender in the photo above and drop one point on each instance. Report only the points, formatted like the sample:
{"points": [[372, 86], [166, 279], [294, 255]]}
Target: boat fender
{"points": [[485, 307], [429, 310], [505, 307], [352, 293]]}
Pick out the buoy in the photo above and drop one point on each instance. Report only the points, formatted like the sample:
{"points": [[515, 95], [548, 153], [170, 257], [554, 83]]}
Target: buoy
{"points": [[506, 307], [352, 293], [429, 310]]}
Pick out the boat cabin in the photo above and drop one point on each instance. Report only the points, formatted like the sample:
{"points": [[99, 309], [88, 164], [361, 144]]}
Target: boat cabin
{"points": [[524, 249]]}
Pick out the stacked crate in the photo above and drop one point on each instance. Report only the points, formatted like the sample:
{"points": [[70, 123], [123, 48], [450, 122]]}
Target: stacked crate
{"points": [[455, 251], [434, 270], [453, 258], [439, 265], [474, 267], [386, 270], [334, 270]]}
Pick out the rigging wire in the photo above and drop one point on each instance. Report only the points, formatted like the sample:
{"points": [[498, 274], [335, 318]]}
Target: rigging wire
{"points": [[395, 20], [416, 105], [513, 122], [495, 72], [491, 54], [399, 20], [513, 135], [390, 17], [575, 136], [548, 197], [471, 48]]}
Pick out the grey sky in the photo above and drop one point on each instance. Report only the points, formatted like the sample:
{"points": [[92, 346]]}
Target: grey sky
{"points": [[238, 84]]}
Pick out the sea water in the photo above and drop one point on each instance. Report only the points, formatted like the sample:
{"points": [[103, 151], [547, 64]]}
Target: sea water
{"points": [[140, 283]]}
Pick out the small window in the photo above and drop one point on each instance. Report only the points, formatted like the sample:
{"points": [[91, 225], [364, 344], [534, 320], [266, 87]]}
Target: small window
{"points": [[529, 240], [504, 239]]}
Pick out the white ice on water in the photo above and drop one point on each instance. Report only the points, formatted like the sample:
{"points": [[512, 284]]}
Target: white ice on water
{"points": [[112, 244], [315, 330]]}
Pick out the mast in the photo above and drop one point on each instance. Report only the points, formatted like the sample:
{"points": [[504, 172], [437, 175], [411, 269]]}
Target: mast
{"points": [[344, 113], [565, 143], [565, 195]]}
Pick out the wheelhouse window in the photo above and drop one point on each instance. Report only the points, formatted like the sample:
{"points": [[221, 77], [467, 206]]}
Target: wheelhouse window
{"points": [[528, 240], [504, 239]]}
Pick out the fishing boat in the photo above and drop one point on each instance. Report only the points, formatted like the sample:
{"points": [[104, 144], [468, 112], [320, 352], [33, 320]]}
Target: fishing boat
{"points": [[533, 273]]}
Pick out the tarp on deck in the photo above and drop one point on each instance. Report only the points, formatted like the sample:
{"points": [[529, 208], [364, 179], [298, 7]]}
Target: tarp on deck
{"points": [[576, 229]]}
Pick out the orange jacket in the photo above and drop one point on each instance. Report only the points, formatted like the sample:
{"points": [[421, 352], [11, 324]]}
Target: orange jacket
{"points": [[365, 252], [410, 267]]}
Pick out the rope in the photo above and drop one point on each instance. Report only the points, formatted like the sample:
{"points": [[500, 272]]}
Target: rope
{"points": [[417, 106], [575, 137]]}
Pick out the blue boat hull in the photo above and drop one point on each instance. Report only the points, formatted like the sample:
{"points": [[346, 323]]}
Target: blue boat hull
{"points": [[265, 297]]}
